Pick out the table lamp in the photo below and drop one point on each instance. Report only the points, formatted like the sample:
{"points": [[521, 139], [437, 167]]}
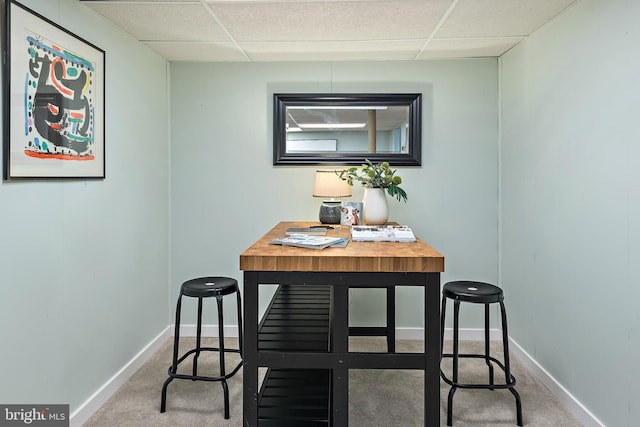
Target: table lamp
{"points": [[329, 186]]}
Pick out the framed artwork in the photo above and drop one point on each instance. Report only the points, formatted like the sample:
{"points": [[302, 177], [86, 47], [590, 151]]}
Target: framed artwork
{"points": [[53, 100], [351, 213]]}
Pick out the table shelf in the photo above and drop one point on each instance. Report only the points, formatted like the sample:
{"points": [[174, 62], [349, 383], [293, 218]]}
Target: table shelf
{"points": [[297, 319], [291, 397]]}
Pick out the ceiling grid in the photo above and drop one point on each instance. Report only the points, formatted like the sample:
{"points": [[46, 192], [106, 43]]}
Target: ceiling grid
{"points": [[328, 30]]}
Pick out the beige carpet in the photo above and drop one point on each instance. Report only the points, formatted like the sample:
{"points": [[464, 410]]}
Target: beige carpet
{"points": [[377, 397]]}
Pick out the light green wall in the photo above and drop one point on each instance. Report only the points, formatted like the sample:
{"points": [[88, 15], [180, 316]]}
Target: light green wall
{"points": [[570, 203], [85, 263], [226, 193]]}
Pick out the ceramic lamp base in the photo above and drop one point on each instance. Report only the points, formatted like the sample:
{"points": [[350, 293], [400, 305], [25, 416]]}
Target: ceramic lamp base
{"points": [[330, 212]]}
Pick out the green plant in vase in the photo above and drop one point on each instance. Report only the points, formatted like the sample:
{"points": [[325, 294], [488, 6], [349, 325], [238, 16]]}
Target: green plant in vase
{"points": [[378, 175]]}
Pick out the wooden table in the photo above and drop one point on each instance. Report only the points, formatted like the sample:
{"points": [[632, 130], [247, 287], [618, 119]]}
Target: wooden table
{"points": [[360, 264]]}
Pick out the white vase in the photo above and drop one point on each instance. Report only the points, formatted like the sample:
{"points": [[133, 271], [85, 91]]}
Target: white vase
{"points": [[376, 210]]}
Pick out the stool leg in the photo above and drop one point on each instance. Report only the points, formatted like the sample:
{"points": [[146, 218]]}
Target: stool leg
{"points": [[507, 365], [518, 405], [450, 406], [163, 400], [442, 319], [176, 336], [456, 315], [486, 345], [198, 338], [505, 344], [174, 365], [225, 388]]}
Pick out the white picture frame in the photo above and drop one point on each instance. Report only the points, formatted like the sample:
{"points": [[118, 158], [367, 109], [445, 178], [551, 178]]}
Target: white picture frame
{"points": [[351, 213]]}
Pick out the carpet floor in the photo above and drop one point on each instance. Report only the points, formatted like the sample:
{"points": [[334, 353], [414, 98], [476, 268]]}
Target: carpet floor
{"points": [[381, 398]]}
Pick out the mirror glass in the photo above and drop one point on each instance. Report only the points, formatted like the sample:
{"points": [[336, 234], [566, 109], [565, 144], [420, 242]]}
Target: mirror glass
{"points": [[346, 129]]}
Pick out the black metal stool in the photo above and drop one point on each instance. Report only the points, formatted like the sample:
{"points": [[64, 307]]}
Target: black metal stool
{"points": [[478, 293], [205, 287]]}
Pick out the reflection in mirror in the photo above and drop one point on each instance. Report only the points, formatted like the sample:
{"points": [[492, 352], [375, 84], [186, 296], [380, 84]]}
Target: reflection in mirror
{"points": [[347, 128]]}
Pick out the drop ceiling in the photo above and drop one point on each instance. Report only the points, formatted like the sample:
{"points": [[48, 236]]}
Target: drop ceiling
{"points": [[328, 30]]}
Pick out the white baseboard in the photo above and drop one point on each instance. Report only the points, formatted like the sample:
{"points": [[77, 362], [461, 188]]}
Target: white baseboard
{"points": [[562, 394], [207, 331], [86, 410], [464, 334]]}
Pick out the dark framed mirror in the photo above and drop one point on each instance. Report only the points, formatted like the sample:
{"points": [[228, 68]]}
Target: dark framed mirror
{"points": [[314, 129]]}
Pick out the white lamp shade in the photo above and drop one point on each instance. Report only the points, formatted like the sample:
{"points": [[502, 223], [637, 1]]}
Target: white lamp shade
{"points": [[329, 184]]}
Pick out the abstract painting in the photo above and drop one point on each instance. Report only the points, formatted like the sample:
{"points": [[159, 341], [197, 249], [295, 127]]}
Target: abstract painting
{"points": [[54, 105]]}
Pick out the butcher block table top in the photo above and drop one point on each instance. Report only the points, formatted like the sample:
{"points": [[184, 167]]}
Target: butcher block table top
{"points": [[356, 256]]}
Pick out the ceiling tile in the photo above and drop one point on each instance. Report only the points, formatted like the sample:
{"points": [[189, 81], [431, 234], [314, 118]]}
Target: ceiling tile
{"points": [[198, 52], [163, 21], [465, 48], [332, 51], [330, 20], [487, 18]]}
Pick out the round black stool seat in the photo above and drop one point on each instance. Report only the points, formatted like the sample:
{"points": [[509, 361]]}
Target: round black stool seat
{"points": [[205, 287], [201, 288], [474, 292]]}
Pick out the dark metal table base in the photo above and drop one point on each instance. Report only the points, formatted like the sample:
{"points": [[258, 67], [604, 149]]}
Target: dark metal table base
{"points": [[337, 360]]}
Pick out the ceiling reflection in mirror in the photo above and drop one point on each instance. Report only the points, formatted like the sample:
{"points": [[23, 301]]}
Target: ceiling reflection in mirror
{"points": [[347, 128]]}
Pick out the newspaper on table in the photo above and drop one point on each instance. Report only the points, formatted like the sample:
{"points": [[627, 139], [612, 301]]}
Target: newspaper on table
{"points": [[382, 233]]}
